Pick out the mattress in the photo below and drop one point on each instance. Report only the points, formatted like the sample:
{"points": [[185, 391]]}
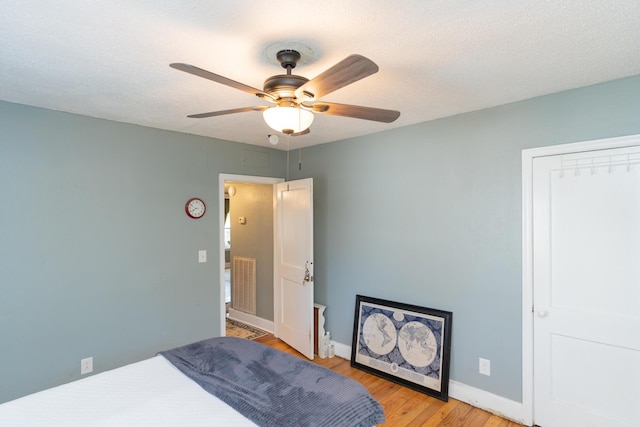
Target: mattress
{"points": [[152, 392]]}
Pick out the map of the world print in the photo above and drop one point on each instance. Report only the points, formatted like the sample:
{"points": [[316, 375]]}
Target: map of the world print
{"points": [[401, 342]]}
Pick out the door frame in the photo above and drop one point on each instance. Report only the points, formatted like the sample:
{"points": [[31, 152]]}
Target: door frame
{"points": [[527, 249], [222, 178]]}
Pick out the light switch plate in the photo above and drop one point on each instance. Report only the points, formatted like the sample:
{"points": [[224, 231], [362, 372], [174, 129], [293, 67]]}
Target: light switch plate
{"points": [[484, 366], [202, 255], [86, 365]]}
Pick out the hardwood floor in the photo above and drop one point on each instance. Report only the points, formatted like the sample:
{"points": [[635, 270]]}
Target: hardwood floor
{"points": [[403, 406]]}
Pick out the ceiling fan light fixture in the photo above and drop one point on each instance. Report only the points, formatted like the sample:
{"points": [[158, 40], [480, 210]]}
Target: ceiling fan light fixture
{"points": [[288, 119]]}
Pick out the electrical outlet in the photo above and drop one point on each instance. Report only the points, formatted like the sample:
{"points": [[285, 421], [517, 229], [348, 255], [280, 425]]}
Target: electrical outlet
{"points": [[484, 366], [86, 365]]}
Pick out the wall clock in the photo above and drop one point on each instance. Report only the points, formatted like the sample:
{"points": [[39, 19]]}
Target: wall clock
{"points": [[195, 208]]}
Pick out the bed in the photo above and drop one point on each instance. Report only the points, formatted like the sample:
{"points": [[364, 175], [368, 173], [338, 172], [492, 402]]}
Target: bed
{"points": [[217, 382]]}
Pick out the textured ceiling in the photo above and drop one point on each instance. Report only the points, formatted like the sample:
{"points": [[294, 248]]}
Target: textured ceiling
{"points": [[110, 58]]}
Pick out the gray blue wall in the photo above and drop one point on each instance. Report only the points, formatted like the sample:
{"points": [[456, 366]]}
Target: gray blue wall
{"points": [[430, 215], [97, 256]]}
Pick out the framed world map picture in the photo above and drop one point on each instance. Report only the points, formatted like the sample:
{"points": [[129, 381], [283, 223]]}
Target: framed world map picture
{"points": [[407, 344]]}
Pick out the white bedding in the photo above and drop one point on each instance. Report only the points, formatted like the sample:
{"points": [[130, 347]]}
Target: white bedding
{"points": [[148, 393]]}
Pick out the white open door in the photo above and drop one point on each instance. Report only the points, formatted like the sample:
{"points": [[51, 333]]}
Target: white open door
{"points": [[586, 270], [293, 270]]}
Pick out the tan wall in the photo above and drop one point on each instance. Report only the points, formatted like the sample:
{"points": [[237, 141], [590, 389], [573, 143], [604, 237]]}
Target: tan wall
{"points": [[254, 239]]}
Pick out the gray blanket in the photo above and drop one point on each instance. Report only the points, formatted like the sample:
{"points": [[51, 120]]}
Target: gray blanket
{"points": [[272, 388]]}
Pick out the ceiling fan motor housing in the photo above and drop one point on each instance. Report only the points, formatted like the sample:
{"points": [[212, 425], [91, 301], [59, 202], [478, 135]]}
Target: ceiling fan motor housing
{"points": [[283, 85]]}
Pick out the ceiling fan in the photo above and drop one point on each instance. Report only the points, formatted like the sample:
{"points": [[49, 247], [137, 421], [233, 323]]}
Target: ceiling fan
{"points": [[295, 96]]}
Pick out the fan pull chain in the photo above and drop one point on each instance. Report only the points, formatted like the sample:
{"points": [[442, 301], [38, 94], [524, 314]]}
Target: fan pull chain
{"points": [[288, 138]]}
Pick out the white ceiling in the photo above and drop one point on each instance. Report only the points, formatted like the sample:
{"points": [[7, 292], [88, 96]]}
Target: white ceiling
{"points": [[110, 58]]}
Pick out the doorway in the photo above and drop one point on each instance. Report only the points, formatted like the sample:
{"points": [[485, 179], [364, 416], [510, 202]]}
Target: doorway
{"points": [[237, 180], [581, 241]]}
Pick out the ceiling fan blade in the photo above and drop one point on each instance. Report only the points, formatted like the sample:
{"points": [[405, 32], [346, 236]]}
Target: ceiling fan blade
{"points": [[355, 111], [219, 79], [345, 72], [223, 112]]}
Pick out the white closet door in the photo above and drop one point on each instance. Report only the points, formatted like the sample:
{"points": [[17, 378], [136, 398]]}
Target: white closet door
{"points": [[586, 243]]}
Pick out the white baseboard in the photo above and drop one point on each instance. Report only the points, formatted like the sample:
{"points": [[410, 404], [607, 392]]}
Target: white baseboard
{"points": [[490, 402], [342, 350], [249, 319], [498, 405]]}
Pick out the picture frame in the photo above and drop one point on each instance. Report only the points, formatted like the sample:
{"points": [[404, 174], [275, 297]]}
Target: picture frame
{"points": [[407, 344]]}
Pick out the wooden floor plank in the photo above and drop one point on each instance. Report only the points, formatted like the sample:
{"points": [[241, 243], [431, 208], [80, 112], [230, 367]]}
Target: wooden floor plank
{"points": [[433, 418], [412, 407], [496, 421]]}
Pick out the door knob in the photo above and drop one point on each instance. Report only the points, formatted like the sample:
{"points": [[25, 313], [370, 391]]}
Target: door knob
{"points": [[307, 273], [543, 313]]}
